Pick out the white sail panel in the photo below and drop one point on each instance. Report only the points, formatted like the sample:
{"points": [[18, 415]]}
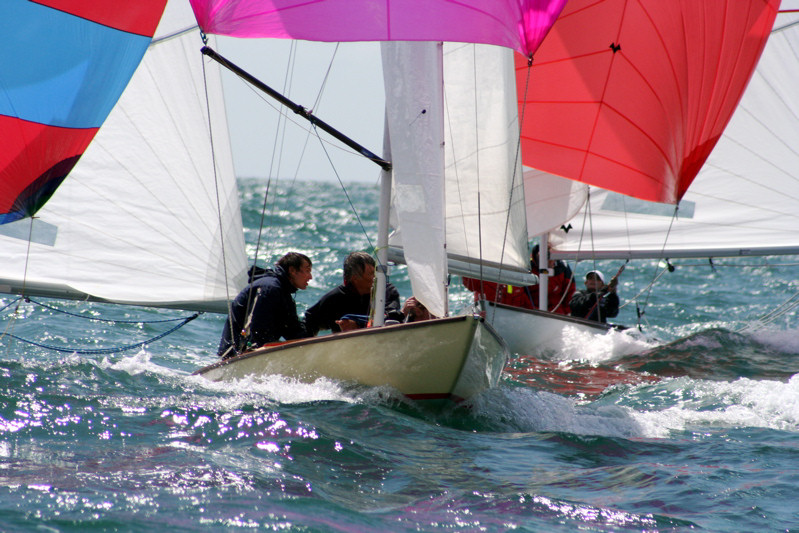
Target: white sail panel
{"points": [[414, 111], [743, 202], [136, 221], [485, 191], [550, 200]]}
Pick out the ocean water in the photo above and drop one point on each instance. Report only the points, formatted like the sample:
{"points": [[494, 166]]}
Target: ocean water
{"points": [[690, 425]]}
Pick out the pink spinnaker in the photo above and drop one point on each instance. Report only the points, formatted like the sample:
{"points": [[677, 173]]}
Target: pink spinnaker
{"points": [[632, 95], [517, 24]]}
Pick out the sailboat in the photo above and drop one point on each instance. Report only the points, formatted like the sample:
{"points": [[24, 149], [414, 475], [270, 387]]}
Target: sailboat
{"points": [[448, 358], [152, 202], [740, 202]]}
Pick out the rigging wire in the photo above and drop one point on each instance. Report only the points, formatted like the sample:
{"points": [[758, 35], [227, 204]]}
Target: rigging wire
{"points": [[655, 275], [13, 321], [349, 200], [216, 192], [516, 171], [461, 201], [781, 310]]}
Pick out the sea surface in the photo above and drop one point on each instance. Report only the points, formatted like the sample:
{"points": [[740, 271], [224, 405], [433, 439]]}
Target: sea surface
{"points": [[691, 424]]}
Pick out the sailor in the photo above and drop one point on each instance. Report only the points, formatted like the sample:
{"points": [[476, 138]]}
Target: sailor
{"points": [[270, 297], [597, 301], [347, 306]]}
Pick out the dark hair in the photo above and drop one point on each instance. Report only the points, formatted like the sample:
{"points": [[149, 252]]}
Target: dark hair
{"points": [[294, 260], [534, 257], [355, 263]]}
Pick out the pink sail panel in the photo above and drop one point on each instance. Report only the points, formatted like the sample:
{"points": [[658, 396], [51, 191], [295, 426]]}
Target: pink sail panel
{"points": [[632, 95], [517, 24]]}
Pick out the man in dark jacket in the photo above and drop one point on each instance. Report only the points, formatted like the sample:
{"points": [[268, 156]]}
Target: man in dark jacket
{"points": [[584, 303], [270, 296], [353, 297]]}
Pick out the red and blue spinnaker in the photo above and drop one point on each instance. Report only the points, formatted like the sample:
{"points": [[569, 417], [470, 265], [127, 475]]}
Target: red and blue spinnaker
{"points": [[64, 65]]}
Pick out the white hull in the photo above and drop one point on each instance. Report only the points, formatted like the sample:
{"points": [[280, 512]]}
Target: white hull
{"points": [[530, 331], [450, 358]]}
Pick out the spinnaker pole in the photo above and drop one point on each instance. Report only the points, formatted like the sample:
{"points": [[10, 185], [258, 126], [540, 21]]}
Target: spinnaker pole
{"points": [[298, 109]]}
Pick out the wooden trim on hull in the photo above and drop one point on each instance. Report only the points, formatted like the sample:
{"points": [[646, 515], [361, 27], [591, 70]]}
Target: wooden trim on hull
{"points": [[453, 358]]}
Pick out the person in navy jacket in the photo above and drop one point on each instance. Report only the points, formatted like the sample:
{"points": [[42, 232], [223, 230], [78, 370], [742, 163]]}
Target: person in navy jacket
{"points": [[270, 297]]}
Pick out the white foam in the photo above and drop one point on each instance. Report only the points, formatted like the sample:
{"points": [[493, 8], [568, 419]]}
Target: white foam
{"points": [[279, 389], [786, 341], [585, 346], [682, 404], [741, 403]]}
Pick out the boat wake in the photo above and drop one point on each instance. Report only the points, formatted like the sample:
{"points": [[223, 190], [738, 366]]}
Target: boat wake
{"points": [[576, 344]]}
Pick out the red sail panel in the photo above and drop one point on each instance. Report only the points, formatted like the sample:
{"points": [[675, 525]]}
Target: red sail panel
{"points": [[33, 163], [132, 16], [632, 95], [65, 66]]}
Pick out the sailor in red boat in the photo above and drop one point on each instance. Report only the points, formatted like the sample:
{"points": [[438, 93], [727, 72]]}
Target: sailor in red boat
{"points": [[347, 306], [560, 284], [597, 301], [272, 311], [561, 288], [500, 293]]}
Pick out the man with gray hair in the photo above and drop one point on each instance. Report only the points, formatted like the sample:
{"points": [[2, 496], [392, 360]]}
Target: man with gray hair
{"points": [[353, 297]]}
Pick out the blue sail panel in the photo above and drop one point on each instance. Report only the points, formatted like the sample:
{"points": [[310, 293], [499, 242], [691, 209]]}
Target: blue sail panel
{"points": [[61, 73]]}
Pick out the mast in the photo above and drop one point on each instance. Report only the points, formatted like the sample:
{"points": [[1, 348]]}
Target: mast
{"points": [[384, 208], [439, 72], [543, 273]]}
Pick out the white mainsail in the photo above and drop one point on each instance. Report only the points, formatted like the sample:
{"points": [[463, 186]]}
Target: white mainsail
{"points": [[486, 232], [483, 164], [744, 200], [136, 221]]}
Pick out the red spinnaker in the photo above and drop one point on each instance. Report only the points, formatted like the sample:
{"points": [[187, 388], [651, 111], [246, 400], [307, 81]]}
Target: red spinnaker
{"points": [[632, 95]]}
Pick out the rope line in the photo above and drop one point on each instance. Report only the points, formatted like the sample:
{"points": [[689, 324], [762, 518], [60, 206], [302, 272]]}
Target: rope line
{"points": [[107, 320], [773, 315], [100, 351]]}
